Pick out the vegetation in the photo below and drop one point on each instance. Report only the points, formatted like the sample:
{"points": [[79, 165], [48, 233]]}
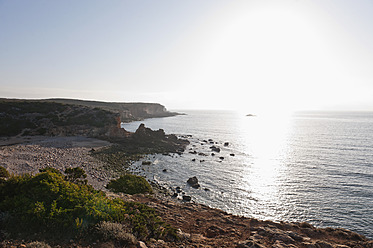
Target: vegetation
{"points": [[3, 172], [39, 117], [130, 184], [49, 207]]}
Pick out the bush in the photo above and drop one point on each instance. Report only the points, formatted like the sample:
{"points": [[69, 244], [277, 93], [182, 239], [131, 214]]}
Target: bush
{"points": [[130, 184], [109, 231], [55, 209], [3, 172]]}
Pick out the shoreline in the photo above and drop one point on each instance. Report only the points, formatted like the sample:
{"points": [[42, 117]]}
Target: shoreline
{"points": [[198, 224]]}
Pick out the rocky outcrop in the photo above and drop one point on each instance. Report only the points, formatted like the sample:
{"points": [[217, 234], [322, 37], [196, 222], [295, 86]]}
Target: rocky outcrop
{"points": [[146, 140]]}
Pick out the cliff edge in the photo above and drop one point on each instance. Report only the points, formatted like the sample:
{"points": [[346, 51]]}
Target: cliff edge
{"points": [[127, 111]]}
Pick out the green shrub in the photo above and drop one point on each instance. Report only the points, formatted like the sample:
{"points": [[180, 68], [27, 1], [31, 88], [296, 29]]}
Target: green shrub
{"points": [[3, 172], [130, 184], [55, 209]]}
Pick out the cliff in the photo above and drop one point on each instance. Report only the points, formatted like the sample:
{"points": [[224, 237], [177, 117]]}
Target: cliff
{"points": [[127, 111]]}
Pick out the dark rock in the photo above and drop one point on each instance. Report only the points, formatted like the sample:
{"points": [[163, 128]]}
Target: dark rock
{"points": [[164, 170], [202, 160], [249, 244], [212, 154], [187, 198], [232, 154], [221, 158], [323, 244], [215, 149], [226, 144], [214, 231], [206, 189], [295, 236], [193, 181], [175, 195], [146, 163], [178, 189], [193, 152], [193, 159], [202, 154]]}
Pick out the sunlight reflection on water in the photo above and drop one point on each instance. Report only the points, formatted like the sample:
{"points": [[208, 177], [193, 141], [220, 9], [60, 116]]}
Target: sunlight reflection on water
{"points": [[307, 167], [264, 139]]}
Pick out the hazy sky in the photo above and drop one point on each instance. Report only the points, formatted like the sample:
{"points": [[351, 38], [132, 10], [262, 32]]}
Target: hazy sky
{"points": [[247, 55]]}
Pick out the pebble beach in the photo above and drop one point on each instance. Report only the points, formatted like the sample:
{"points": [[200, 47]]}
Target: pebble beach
{"points": [[30, 154]]}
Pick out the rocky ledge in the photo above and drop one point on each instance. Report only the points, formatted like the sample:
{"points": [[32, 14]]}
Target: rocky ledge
{"points": [[202, 226]]}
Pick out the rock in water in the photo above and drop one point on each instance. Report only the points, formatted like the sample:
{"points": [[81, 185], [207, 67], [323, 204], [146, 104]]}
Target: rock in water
{"points": [[193, 181]]}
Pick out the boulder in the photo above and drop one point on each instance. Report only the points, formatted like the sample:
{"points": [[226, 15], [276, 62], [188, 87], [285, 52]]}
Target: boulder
{"points": [[187, 198], [226, 144], [193, 181], [215, 149]]}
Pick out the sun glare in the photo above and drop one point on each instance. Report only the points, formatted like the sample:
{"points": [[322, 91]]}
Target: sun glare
{"points": [[268, 60]]}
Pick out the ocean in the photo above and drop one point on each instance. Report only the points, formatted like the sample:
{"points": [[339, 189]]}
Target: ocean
{"points": [[309, 166]]}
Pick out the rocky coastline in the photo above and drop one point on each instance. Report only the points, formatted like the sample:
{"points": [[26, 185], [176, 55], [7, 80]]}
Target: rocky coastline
{"points": [[112, 147], [198, 225]]}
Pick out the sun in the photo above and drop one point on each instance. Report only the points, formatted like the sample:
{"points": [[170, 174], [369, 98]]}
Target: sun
{"points": [[267, 60]]}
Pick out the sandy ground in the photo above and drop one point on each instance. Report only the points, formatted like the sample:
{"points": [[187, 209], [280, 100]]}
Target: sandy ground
{"points": [[20, 155]]}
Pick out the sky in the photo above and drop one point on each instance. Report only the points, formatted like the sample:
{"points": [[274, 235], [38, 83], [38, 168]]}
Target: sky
{"points": [[251, 56]]}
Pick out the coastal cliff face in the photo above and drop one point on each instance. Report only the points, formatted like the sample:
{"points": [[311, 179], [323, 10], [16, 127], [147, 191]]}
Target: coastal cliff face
{"points": [[127, 111]]}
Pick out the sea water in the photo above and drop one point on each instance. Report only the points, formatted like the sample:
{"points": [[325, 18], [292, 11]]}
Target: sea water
{"points": [[309, 166]]}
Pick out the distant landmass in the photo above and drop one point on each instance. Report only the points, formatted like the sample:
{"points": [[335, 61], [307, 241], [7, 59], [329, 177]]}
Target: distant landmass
{"points": [[128, 111], [63, 117]]}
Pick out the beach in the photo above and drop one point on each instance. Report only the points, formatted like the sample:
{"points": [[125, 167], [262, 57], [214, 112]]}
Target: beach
{"points": [[30, 154]]}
